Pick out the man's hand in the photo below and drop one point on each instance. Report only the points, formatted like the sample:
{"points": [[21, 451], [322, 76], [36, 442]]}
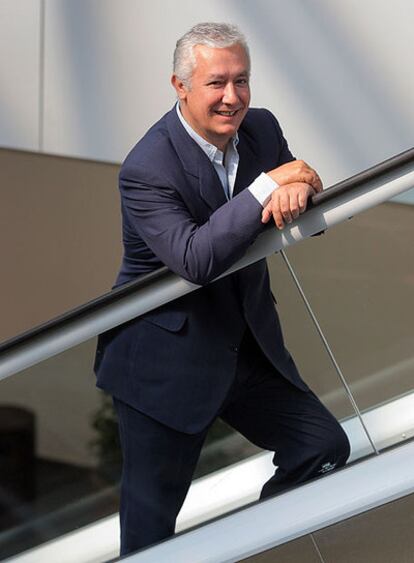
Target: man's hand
{"points": [[297, 182], [287, 202], [296, 171]]}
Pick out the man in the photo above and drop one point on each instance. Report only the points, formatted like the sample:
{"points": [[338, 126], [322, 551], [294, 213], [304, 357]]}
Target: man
{"points": [[196, 191]]}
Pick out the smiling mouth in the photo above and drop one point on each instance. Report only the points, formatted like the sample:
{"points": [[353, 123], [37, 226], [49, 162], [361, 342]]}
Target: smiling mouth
{"points": [[227, 113]]}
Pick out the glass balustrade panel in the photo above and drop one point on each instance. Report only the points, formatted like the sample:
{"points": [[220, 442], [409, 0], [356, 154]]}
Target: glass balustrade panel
{"points": [[359, 279]]}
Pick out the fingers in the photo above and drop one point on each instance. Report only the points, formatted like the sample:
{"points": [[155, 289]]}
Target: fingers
{"points": [[287, 203], [267, 213], [294, 204], [317, 184], [297, 181], [296, 171], [306, 174], [283, 213], [278, 218], [303, 199], [309, 176], [316, 181]]}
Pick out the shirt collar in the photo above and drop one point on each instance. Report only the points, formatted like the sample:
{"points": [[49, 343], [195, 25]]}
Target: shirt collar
{"points": [[210, 150]]}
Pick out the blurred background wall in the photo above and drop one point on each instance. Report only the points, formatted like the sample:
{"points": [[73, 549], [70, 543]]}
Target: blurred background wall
{"points": [[86, 78]]}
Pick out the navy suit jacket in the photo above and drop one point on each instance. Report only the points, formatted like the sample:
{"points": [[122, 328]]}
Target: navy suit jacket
{"points": [[177, 363]]}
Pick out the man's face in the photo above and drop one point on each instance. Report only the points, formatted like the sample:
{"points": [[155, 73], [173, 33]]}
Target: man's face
{"points": [[218, 98]]}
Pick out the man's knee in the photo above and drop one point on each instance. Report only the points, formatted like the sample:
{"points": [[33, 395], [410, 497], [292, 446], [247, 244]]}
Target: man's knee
{"points": [[334, 450]]}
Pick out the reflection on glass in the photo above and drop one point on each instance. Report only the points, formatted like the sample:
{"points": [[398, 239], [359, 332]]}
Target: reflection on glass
{"points": [[312, 357], [359, 279], [53, 476]]}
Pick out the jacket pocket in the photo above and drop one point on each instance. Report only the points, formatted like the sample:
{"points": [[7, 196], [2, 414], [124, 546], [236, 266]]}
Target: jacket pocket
{"points": [[172, 321]]}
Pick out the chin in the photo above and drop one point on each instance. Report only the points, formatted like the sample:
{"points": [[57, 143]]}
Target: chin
{"points": [[230, 131], [228, 128]]}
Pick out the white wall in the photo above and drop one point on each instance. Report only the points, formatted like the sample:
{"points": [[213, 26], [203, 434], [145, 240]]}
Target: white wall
{"points": [[20, 33], [338, 75]]}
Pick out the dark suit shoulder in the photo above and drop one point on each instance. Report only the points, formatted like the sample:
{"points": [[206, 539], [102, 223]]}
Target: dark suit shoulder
{"points": [[151, 152], [260, 122], [263, 134]]}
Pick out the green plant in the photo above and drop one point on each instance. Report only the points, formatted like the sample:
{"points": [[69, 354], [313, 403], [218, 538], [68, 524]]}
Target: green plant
{"points": [[106, 445]]}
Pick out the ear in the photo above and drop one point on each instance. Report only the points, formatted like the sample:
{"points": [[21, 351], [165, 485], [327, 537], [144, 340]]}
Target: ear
{"points": [[179, 87]]}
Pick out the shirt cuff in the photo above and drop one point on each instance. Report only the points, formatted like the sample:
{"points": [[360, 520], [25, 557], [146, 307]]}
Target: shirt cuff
{"points": [[262, 188]]}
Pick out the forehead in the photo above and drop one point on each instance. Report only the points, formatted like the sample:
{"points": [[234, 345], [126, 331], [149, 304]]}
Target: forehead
{"points": [[216, 60]]}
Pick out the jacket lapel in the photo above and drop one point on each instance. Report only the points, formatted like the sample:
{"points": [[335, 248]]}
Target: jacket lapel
{"points": [[249, 164], [211, 189], [200, 171]]}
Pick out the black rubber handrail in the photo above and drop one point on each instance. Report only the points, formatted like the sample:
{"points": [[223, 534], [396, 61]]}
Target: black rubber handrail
{"points": [[89, 307], [145, 280], [353, 182]]}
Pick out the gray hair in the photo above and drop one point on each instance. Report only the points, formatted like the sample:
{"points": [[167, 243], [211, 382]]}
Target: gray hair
{"points": [[217, 35]]}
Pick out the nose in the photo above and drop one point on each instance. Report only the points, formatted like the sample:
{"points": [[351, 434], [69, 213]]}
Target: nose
{"points": [[229, 94]]}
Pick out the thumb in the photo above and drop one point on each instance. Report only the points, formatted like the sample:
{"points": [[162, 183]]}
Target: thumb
{"points": [[266, 214]]}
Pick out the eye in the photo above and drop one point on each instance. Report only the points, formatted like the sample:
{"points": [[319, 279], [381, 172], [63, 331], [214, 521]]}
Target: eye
{"points": [[215, 83], [242, 82]]}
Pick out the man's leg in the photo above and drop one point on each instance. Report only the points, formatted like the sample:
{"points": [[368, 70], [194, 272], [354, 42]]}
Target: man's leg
{"points": [[158, 465], [277, 416]]}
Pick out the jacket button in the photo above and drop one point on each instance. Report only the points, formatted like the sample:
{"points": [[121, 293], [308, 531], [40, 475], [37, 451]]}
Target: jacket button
{"points": [[234, 349]]}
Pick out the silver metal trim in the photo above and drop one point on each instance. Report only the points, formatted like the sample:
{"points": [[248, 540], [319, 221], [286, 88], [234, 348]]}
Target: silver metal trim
{"points": [[344, 494]]}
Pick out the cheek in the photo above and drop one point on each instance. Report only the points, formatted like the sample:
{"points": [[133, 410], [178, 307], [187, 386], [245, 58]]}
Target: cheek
{"points": [[213, 101], [246, 97]]}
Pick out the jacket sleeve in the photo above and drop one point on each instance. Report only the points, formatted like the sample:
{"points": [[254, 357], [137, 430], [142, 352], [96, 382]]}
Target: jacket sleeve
{"points": [[198, 253]]}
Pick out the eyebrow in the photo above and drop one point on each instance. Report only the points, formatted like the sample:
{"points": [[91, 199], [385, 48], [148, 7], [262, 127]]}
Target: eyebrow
{"points": [[220, 76]]}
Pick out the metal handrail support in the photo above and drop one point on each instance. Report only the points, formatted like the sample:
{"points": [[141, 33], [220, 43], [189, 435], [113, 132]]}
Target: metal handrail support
{"points": [[329, 352]]}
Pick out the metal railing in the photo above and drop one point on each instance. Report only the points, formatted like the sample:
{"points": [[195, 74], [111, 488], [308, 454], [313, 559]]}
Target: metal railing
{"points": [[334, 205]]}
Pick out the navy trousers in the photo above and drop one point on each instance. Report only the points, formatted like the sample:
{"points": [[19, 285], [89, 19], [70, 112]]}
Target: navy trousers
{"points": [[159, 462]]}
